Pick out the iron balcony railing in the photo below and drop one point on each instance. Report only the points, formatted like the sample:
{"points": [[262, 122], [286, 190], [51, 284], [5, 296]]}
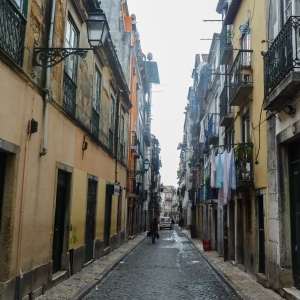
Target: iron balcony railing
{"points": [[283, 55], [237, 76], [225, 109], [135, 143], [95, 123], [121, 152], [12, 30], [111, 140], [244, 162], [207, 81], [213, 126], [69, 98]]}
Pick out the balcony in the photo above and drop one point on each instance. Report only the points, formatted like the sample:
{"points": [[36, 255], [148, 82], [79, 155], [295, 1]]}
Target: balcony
{"points": [[226, 111], [240, 78], [12, 30], [135, 144], [69, 97], [281, 66], [225, 45], [213, 129], [244, 166]]}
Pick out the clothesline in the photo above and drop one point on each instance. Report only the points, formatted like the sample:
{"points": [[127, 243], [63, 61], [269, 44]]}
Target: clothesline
{"points": [[231, 145]]}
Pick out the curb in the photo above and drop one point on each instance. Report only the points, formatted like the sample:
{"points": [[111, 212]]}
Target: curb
{"points": [[83, 292], [220, 273]]}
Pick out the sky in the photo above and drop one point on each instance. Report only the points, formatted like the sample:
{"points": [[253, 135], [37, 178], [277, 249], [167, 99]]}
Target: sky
{"points": [[171, 30]]}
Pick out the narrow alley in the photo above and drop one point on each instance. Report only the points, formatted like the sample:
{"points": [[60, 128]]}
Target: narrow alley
{"points": [[172, 268]]}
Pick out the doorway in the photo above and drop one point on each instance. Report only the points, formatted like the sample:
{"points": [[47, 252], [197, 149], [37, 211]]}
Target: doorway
{"points": [[90, 220], [261, 235], [62, 191], [2, 176], [119, 217], [107, 220]]}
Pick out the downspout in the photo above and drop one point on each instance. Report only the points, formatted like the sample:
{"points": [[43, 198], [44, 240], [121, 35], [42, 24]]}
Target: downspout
{"points": [[47, 86], [117, 138], [19, 273]]}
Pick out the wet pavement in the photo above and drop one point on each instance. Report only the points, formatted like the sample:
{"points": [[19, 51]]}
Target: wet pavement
{"points": [[172, 268]]}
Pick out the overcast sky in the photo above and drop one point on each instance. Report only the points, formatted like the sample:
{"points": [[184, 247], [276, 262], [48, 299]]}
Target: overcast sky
{"points": [[171, 30]]}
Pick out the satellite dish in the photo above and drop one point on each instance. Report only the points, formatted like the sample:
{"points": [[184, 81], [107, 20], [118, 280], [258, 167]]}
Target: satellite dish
{"points": [[149, 56]]}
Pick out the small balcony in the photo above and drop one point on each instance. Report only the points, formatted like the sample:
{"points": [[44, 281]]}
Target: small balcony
{"points": [[225, 45], [213, 129], [240, 78], [12, 30], [281, 67], [244, 166], [135, 145], [226, 111]]}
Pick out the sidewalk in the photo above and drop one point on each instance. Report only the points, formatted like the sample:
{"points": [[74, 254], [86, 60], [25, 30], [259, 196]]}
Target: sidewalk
{"points": [[244, 285], [77, 286]]}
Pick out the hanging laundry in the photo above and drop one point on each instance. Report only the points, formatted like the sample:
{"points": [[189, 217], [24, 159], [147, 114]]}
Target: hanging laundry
{"points": [[219, 172], [226, 175], [202, 134], [212, 170]]}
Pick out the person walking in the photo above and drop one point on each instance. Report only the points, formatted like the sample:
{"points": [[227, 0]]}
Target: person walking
{"points": [[154, 229], [181, 223], [173, 223]]}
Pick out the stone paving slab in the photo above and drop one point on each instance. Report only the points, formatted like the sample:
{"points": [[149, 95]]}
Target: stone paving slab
{"points": [[77, 286], [246, 287]]}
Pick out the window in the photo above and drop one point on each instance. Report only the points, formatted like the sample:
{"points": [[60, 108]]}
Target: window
{"points": [[246, 130], [72, 41], [122, 131], [111, 124], [69, 84], [96, 103]]}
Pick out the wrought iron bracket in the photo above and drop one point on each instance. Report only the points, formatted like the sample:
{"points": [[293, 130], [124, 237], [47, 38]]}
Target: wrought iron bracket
{"points": [[49, 57], [133, 173]]}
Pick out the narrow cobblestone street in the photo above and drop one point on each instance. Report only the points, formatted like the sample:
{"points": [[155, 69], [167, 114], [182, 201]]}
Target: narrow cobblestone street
{"points": [[170, 269]]}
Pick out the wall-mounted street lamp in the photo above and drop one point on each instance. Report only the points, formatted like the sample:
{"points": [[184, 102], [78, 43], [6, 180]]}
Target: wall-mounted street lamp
{"points": [[97, 29], [145, 169], [289, 110]]}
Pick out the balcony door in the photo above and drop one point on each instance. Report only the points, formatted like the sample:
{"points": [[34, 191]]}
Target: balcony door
{"points": [[287, 9], [294, 158]]}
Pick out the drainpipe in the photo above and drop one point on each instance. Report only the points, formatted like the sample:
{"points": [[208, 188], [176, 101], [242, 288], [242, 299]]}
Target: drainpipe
{"points": [[117, 137], [19, 274], [47, 86]]}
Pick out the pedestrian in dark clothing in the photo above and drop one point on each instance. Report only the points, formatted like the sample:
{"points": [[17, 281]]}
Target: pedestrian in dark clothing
{"points": [[154, 229], [173, 223], [181, 223]]}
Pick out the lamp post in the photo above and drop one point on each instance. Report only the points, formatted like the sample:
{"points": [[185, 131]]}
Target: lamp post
{"points": [[97, 29]]}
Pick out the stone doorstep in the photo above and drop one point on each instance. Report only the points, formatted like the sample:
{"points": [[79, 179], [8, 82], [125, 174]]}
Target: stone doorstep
{"points": [[262, 279], [292, 293]]}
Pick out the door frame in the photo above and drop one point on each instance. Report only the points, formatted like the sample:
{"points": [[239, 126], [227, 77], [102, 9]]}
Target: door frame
{"points": [[94, 179], [65, 249], [260, 195]]}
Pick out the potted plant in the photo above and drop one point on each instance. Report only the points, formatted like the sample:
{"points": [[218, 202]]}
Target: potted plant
{"points": [[242, 152]]}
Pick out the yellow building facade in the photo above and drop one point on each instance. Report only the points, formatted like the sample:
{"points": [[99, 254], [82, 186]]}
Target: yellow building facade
{"points": [[64, 136]]}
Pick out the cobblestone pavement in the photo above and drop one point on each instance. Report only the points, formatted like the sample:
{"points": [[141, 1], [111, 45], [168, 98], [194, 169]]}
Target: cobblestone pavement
{"points": [[172, 268], [243, 283], [87, 278]]}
